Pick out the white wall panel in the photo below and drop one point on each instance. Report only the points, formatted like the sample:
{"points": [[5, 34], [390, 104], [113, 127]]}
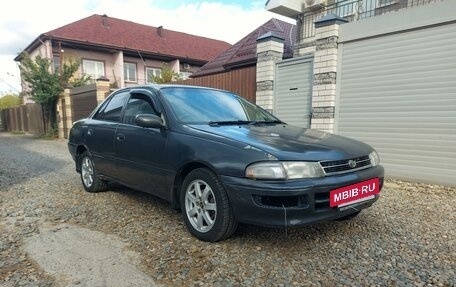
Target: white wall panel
{"points": [[397, 92]]}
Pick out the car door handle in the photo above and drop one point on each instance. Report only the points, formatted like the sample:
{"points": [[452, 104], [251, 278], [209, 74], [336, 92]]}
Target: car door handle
{"points": [[90, 132], [120, 137]]}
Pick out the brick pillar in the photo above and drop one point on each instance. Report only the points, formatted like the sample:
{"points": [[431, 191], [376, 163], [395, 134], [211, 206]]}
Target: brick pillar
{"points": [[269, 51], [102, 86], [325, 71], [64, 112]]}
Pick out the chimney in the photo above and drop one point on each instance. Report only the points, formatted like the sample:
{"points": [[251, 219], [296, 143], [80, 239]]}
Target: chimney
{"points": [[104, 20], [160, 31]]}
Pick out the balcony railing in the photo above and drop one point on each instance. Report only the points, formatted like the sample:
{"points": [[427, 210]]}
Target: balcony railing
{"points": [[354, 10]]}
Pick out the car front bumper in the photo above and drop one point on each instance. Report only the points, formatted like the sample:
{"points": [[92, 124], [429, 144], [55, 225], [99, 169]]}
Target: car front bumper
{"points": [[293, 202]]}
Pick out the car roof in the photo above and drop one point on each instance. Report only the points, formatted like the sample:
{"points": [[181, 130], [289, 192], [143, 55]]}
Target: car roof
{"points": [[158, 87]]}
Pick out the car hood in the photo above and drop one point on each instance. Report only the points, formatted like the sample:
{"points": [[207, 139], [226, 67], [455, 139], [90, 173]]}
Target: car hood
{"points": [[286, 142]]}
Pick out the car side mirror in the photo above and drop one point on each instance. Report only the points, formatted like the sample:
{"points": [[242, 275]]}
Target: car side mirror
{"points": [[148, 121]]}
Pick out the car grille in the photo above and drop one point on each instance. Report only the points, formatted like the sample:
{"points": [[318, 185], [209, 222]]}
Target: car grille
{"points": [[343, 166]]}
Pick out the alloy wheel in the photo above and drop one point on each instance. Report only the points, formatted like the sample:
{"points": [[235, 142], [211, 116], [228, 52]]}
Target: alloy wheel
{"points": [[87, 171], [200, 205]]}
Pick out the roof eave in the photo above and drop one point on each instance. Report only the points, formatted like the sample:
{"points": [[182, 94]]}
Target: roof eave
{"points": [[35, 43], [239, 64], [32, 46], [226, 68]]}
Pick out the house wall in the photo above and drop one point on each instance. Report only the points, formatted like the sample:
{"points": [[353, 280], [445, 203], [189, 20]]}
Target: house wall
{"points": [[113, 64], [45, 51], [141, 65]]}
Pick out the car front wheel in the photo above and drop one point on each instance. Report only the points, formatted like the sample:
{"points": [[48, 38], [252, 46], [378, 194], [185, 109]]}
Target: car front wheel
{"points": [[205, 206], [89, 175]]}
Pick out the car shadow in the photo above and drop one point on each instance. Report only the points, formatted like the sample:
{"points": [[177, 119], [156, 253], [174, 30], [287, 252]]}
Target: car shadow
{"points": [[251, 234]]}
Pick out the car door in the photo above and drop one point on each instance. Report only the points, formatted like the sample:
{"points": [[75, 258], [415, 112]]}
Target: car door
{"points": [[100, 133], [140, 151]]}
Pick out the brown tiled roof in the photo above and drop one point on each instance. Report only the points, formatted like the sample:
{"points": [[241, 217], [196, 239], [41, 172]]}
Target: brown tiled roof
{"points": [[243, 53], [126, 35]]}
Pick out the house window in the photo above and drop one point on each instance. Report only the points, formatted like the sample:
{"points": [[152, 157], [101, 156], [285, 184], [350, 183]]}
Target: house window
{"points": [[151, 73], [130, 72], [94, 69], [56, 63], [184, 75], [382, 3]]}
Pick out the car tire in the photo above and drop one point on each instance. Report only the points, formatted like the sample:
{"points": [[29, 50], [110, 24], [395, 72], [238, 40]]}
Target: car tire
{"points": [[348, 217], [205, 206], [89, 175]]}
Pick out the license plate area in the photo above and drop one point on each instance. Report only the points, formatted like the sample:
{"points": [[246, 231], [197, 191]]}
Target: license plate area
{"points": [[354, 194]]}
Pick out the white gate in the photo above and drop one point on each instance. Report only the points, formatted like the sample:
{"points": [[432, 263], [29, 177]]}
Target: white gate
{"points": [[293, 91]]}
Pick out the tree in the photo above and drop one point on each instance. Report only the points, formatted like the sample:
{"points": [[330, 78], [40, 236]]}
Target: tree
{"points": [[45, 85], [8, 101], [167, 75]]}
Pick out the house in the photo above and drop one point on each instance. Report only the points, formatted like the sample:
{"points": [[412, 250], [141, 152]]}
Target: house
{"points": [[244, 53], [236, 69], [124, 52], [381, 71]]}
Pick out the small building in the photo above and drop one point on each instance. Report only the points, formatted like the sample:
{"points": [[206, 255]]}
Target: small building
{"points": [[124, 52]]}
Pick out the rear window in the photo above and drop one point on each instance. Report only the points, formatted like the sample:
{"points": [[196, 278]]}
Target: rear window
{"points": [[112, 111]]}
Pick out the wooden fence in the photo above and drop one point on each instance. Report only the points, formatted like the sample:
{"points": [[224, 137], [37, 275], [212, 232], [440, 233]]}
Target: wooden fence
{"points": [[83, 101], [77, 103], [27, 118], [240, 81]]}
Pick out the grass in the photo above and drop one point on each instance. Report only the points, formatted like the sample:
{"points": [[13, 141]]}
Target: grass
{"points": [[17, 133], [50, 135]]}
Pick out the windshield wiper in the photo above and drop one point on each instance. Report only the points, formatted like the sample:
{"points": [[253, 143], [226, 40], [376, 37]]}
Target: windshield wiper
{"points": [[228, 123], [242, 122], [267, 122]]}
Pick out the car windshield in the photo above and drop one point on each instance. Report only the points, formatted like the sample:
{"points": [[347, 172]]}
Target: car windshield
{"points": [[206, 106]]}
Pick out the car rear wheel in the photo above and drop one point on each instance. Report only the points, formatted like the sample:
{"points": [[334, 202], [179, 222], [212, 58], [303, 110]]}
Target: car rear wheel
{"points": [[89, 175], [205, 206]]}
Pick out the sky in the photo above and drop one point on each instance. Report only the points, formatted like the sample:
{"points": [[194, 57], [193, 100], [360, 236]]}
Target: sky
{"points": [[22, 21]]}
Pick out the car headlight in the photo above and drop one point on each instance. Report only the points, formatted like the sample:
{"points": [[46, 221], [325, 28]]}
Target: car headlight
{"points": [[374, 158], [278, 170]]}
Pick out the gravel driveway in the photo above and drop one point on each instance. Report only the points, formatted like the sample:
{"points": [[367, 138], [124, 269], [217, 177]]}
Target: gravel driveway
{"points": [[406, 239]]}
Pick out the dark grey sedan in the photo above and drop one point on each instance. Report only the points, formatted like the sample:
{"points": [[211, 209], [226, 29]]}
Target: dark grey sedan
{"points": [[222, 160]]}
